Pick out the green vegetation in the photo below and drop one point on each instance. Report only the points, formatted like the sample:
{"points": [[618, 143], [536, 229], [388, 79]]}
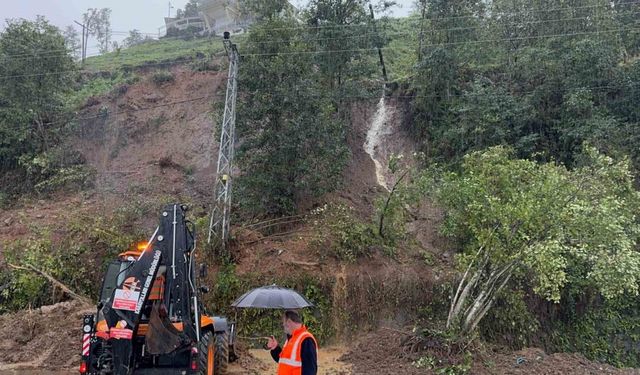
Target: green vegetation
{"points": [[76, 255], [229, 285], [606, 332], [349, 238], [159, 53], [91, 87], [294, 145], [529, 108], [511, 72], [541, 217], [553, 227], [162, 76], [34, 111]]}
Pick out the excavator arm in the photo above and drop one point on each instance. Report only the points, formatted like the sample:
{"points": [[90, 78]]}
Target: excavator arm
{"points": [[168, 250]]}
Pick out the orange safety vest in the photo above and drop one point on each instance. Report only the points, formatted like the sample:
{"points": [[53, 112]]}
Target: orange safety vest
{"points": [[157, 290], [290, 362]]}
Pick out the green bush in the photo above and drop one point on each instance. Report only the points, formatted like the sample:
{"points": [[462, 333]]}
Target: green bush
{"points": [[57, 169], [162, 76], [229, 285], [343, 234], [74, 177], [205, 65], [77, 257], [510, 322], [23, 288], [608, 332], [27, 288], [93, 87]]}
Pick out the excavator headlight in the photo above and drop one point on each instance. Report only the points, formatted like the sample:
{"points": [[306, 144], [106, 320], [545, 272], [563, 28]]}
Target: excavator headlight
{"points": [[142, 245], [86, 328]]}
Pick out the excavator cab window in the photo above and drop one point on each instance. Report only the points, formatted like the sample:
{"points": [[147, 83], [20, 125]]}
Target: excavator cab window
{"points": [[114, 276]]}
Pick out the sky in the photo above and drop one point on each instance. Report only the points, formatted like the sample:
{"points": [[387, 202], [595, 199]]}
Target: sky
{"points": [[146, 16]]}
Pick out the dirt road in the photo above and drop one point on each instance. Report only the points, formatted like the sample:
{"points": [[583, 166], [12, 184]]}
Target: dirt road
{"points": [[259, 362], [255, 362]]}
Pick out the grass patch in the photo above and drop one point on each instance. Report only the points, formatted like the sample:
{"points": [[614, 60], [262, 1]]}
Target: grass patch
{"points": [[159, 52], [90, 88]]}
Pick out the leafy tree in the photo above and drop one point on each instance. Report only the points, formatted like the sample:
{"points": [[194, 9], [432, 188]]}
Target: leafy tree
{"points": [[293, 146], [98, 22], [35, 78], [513, 72], [341, 25], [541, 223], [266, 9], [72, 41], [192, 8], [440, 71], [135, 37], [626, 13]]}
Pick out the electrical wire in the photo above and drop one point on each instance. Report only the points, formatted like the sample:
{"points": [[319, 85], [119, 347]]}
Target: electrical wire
{"points": [[370, 50], [365, 25]]}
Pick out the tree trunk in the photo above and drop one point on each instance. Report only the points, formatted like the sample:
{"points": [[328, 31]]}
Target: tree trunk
{"points": [[386, 204]]}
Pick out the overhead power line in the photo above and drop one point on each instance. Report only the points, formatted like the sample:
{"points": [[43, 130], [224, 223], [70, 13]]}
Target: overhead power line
{"points": [[374, 96], [369, 50], [365, 25]]}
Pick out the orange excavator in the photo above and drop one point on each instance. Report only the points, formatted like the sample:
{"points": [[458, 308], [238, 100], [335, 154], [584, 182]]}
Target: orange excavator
{"points": [[150, 318]]}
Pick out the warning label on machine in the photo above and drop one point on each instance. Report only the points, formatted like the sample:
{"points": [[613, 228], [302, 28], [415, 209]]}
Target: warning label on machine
{"points": [[120, 333], [125, 299]]}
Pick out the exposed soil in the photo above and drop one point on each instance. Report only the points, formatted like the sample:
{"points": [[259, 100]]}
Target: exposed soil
{"points": [[381, 353], [46, 338], [536, 361], [46, 342], [143, 149], [146, 144], [259, 362]]}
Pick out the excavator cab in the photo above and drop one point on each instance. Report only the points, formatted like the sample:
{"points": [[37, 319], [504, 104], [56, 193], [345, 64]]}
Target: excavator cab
{"points": [[149, 318]]}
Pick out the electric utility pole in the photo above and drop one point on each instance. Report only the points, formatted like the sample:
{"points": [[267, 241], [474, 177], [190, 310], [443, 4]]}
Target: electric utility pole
{"points": [[221, 212]]}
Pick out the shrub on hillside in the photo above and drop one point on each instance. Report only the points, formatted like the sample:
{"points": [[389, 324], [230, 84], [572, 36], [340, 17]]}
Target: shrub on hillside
{"points": [[76, 256], [162, 76], [57, 169], [346, 237]]}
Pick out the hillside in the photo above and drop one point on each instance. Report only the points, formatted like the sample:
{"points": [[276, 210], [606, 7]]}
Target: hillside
{"points": [[167, 152], [473, 211]]}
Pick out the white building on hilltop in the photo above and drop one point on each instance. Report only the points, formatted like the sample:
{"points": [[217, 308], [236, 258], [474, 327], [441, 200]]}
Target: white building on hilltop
{"points": [[216, 17]]}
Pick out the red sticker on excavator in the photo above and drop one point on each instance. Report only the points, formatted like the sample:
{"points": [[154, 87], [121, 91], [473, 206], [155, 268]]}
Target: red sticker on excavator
{"points": [[120, 333], [125, 299]]}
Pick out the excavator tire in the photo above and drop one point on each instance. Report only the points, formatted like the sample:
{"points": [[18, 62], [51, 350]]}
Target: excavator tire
{"points": [[206, 354], [222, 352], [213, 353]]}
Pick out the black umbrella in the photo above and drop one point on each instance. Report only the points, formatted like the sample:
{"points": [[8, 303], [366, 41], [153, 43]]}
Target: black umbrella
{"points": [[272, 297]]}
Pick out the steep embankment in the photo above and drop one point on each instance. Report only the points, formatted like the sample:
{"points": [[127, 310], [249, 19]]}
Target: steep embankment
{"points": [[155, 138], [147, 142], [154, 142]]}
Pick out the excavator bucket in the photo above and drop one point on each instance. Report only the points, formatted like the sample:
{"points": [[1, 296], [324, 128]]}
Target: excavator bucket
{"points": [[162, 337]]}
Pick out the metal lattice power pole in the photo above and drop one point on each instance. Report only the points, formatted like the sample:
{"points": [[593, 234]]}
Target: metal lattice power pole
{"points": [[221, 211]]}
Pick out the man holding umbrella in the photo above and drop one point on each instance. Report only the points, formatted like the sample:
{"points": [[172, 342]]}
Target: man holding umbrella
{"points": [[299, 354]]}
